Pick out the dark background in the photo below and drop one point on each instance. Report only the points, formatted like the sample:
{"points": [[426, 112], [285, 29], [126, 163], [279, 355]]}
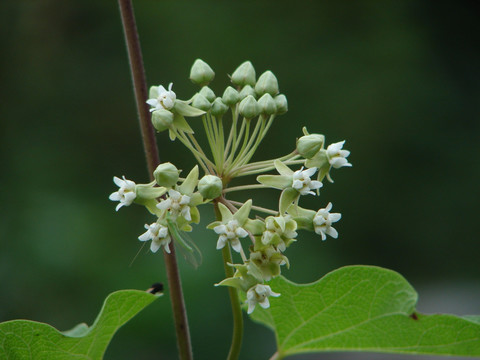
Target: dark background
{"points": [[398, 80]]}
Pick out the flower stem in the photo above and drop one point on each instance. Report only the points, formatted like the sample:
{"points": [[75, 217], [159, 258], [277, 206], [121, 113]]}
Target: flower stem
{"points": [[237, 336], [153, 159]]}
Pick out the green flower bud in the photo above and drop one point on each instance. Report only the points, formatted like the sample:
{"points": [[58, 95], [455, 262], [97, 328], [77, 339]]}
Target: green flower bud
{"points": [[210, 186], [166, 174], [249, 107], [201, 102], [244, 75], [218, 107], [246, 91], [162, 119], [267, 104], [208, 93], [267, 84], [230, 96], [201, 73], [309, 145], [282, 104]]}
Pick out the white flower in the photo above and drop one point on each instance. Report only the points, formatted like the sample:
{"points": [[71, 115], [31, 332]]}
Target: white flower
{"points": [[302, 182], [322, 222], [159, 236], [336, 156], [259, 294], [165, 99], [126, 194], [177, 204], [230, 231]]}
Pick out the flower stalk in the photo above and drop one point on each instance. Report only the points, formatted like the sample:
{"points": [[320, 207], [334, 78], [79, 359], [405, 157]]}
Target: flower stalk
{"points": [[153, 160]]}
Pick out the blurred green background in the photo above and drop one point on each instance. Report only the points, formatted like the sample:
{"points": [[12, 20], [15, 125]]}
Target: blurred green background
{"points": [[398, 80]]}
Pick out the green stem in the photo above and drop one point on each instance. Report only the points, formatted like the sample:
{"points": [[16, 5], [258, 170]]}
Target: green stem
{"points": [[237, 336], [153, 159], [245, 187]]}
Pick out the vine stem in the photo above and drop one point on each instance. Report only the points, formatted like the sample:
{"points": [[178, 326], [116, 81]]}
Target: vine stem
{"points": [[237, 335], [153, 160]]}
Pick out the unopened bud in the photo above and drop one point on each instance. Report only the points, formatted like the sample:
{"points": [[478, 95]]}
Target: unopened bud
{"points": [[267, 84], [246, 91], [162, 119], [201, 102], [201, 73], [166, 174], [249, 107], [267, 105], [282, 104], [218, 107], [244, 74], [208, 93], [309, 145], [230, 96], [210, 186]]}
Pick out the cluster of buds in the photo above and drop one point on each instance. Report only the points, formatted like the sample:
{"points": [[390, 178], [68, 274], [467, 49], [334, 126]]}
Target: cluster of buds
{"points": [[265, 233]]}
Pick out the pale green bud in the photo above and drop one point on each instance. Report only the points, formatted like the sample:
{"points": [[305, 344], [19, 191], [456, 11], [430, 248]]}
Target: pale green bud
{"points": [[244, 74], [267, 84], [309, 145], [282, 104], [246, 91], [162, 119], [210, 186], [249, 107], [208, 93], [218, 107], [201, 73], [267, 104], [201, 102], [230, 96], [166, 174]]}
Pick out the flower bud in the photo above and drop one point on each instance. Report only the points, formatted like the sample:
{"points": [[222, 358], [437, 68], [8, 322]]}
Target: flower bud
{"points": [[267, 84], [247, 90], [162, 119], [267, 104], [249, 107], [201, 102], [309, 145], [201, 73], [208, 93], [244, 75], [166, 174], [230, 96], [282, 104], [218, 107], [210, 186]]}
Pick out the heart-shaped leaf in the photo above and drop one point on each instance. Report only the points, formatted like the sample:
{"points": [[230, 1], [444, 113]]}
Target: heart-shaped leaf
{"points": [[24, 339], [362, 308]]}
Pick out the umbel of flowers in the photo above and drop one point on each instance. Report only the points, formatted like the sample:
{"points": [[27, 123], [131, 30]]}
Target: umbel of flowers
{"points": [[234, 124]]}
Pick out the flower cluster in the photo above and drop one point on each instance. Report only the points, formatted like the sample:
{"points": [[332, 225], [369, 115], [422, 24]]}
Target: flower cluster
{"points": [[259, 235]]}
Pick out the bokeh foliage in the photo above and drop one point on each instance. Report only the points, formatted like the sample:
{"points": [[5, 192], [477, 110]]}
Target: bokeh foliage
{"points": [[398, 80]]}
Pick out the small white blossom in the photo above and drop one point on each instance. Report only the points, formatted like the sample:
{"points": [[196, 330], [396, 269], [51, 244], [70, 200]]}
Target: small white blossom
{"points": [[230, 231], [177, 204], [259, 294], [125, 194], [336, 156], [165, 99], [302, 182], [159, 236], [322, 222]]}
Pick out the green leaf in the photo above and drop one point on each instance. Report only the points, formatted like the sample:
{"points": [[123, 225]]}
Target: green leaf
{"points": [[362, 308], [24, 339]]}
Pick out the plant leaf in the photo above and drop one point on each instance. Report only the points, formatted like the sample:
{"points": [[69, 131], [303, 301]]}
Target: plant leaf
{"points": [[24, 339], [362, 308]]}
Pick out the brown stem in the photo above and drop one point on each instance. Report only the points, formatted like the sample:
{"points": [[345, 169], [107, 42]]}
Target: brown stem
{"points": [[152, 158]]}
